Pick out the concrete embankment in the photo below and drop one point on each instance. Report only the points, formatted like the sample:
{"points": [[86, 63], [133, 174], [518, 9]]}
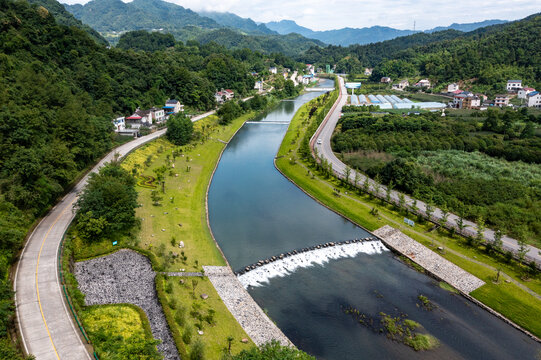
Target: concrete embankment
{"points": [[249, 315], [429, 260]]}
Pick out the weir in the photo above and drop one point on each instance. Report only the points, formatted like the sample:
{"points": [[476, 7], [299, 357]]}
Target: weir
{"points": [[268, 122], [286, 263]]}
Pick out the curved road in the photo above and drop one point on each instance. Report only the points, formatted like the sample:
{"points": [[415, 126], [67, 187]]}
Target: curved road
{"points": [[324, 150], [46, 326]]}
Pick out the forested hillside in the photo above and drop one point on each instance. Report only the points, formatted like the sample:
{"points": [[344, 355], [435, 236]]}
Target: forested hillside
{"points": [[64, 17], [237, 22], [488, 57], [59, 91], [113, 17], [354, 58]]}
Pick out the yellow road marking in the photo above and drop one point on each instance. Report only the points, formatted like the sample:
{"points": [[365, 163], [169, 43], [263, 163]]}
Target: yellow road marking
{"points": [[37, 285]]}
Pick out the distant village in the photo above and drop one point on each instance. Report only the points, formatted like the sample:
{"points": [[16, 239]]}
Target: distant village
{"points": [[155, 117], [462, 99]]}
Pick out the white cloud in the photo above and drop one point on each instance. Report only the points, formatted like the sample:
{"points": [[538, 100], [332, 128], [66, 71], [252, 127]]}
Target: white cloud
{"points": [[335, 14]]}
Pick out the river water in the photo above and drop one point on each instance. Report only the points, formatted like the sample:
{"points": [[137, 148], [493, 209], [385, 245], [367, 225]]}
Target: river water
{"points": [[256, 213]]}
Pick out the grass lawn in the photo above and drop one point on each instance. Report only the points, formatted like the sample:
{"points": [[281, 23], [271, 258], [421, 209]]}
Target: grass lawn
{"points": [[355, 206], [180, 216], [193, 314]]}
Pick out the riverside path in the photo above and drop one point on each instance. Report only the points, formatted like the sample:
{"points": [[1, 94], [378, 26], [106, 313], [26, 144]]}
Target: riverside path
{"points": [[324, 150], [45, 324]]}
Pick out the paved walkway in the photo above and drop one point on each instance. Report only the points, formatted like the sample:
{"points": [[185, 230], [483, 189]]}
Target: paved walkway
{"points": [[249, 315], [429, 260], [45, 324], [325, 131]]}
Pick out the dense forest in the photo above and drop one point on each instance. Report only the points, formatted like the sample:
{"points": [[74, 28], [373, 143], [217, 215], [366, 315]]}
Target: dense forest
{"points": [[59, 91], [475, 166]]}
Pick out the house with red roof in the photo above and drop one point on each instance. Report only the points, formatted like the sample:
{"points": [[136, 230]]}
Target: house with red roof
{"points": [[224, 95]]}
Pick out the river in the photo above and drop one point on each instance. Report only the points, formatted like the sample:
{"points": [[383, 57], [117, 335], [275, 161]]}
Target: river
{"points": [[255, 213]]}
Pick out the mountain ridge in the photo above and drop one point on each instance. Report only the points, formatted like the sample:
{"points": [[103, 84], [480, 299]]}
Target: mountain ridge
{"points": [[350, 36]]}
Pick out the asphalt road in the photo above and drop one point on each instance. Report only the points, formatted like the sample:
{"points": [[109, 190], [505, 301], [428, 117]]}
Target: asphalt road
{"points": [[46, 326], [325, 131]]}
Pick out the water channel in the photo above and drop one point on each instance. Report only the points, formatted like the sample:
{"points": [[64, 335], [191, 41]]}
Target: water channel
{"points": [[255, 213]]}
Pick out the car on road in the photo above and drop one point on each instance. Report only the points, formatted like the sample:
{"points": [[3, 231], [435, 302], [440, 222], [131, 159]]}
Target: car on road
{"points": [[319, 141]]}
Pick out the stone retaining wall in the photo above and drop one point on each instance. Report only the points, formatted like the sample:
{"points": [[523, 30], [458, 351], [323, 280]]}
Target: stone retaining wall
{"points": [[429, 260], [241, 305]]}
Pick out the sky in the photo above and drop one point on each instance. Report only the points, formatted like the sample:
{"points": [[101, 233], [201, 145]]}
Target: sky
{"points": [[336, 14]]}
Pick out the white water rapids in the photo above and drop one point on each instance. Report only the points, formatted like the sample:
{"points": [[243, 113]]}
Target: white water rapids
{"points": [[283, 267]]}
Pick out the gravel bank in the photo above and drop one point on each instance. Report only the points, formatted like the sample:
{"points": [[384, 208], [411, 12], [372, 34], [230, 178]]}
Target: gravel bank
{"points": [[241, 305], [429, 260], [126, 277]]}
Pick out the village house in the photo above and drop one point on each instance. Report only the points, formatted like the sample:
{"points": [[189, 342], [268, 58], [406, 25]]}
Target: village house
{"points": [[119, 123], [451, 88], [139, 118], [501, 100], [310, 68], [368, 72], [534, 99], [385, 80], [423, 83], [258, 86], [224, 95], [158, 115], [172, 106], [514, 85], [401, 85], [524, 91], [466, 100], [307, 79], [273, 70]]}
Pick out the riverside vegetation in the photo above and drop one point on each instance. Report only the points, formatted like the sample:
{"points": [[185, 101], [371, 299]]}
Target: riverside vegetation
{"points": [[516, 293], [482, 166], [60, 90], [171, 229]]}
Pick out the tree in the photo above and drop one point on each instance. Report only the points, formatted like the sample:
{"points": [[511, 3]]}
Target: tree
{"points": [[461, 225], [357, 178], [347, 174], [366, 185], [429, 211], [156, 198], [388, 191], [91, 228], [197, 351], [160, 176], [229, 341], [479, 238], [110, 198], [179, 129], [498, 243], [522, 250], [401, 201]]}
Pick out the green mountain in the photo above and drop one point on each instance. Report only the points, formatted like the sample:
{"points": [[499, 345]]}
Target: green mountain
{"points": [[354, 58], [289, 45], [64, 17], [236, 22], [115, 15], [366, 35], [485, 57]]}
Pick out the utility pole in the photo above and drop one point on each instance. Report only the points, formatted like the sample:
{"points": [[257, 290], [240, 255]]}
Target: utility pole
{"points": [[413, 25]]}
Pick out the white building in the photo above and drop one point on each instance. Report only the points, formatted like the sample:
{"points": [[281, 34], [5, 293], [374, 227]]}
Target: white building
{"points": [[534, 99], [273, 70], [524, 91], [158, 115], [173, 106], [425, 83], [119, 123], [501, 100], [258, 86], [401, 85], [385, 79], [139, 118], [514, 85], [452, 87], [368, 72], [224, 95]]}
